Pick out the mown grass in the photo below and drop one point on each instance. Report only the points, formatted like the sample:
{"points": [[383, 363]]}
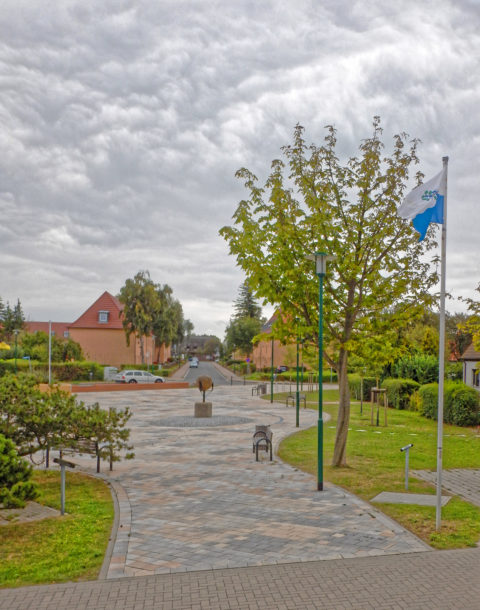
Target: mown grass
{"points": [[375, 464], [59, 549]]}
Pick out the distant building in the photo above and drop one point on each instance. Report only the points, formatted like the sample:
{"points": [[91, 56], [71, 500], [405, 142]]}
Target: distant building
{"points": [[471, 364], [262, 352], [100, 333]]}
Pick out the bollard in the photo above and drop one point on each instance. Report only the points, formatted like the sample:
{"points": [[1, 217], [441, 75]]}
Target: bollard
{"points": [[407, 450]]}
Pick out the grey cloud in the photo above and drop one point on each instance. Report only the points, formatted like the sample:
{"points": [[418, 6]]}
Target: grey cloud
{"points": [[122, 125]]}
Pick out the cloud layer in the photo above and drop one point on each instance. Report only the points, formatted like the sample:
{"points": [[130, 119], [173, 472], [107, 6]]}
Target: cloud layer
{"points": [[123, 123]]}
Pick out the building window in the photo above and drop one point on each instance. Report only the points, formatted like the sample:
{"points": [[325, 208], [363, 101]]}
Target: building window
{"points": [[103, 317], [65, 334]]}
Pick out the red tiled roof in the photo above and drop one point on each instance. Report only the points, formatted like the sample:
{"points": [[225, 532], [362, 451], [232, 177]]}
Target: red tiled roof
{"points": [[107, 302], [58, 328]]}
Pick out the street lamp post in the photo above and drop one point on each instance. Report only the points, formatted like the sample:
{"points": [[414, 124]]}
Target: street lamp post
{"points": [[297, 396], [320, 259], [271, 376]]}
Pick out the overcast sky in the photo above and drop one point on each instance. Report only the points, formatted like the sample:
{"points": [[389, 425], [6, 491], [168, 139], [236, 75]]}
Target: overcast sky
{"points": [[122, 124]]}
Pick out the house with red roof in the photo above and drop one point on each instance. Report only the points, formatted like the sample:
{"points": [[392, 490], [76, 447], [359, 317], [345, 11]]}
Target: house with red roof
{"points": [[100, 332]]}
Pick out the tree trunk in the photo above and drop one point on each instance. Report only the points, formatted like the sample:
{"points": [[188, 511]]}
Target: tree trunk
{"points": [[142, 351], [340, 449]]}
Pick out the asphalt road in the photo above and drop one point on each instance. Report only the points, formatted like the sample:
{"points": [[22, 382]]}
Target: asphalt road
{"points": [[206, 368]]}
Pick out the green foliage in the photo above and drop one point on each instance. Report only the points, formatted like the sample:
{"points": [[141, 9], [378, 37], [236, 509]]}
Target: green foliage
{"points": [[422, 368], [240, 332], [399, 392], [355, 386], [15, 473], [454, 371], [35, 345], [149, 309], [461, 403], [312, 202], [36, 420], [11, 319], [246, 306], [472, 324]]}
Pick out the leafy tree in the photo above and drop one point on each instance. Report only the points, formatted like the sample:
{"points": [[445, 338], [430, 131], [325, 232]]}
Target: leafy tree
{"points": [[141, 302], [35, 345], [472, 324], [168, 319], [313, 202], [212, 346], [246, 305], [11, 319], [15, 474], [240, 332]]}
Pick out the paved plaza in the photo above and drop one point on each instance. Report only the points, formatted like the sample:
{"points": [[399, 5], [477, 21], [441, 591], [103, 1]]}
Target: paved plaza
{"points": [[194, 498], [202, 525]]}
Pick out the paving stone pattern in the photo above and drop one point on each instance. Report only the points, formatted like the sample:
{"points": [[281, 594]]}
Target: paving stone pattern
{"points": [[198, 500], [458, 481], [440, 580]]}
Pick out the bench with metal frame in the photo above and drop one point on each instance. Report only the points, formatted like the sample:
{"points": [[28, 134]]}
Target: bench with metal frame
{"points": [[262, 440], [261, 388], [86, 445], [293, 398]]}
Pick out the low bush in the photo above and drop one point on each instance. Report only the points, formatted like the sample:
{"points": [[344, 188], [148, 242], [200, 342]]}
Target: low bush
{"points": [[399, 392], [422, 368], [15, 485], [355, 386], [461, 403]]}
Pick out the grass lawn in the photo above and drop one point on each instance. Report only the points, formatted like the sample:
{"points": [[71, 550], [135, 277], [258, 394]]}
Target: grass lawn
{"points": [[61, 549], [376, 464]]}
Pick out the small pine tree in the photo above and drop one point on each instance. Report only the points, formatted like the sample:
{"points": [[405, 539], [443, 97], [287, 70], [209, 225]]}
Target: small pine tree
{"points": [[15, 485]]}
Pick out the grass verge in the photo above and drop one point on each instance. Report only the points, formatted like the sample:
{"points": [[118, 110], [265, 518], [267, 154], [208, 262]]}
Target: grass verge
{"points": [[376, 464], [68, 548]]}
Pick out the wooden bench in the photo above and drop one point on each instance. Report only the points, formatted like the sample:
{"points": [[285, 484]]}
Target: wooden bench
{"points": [[262, 440], [293, 398]]}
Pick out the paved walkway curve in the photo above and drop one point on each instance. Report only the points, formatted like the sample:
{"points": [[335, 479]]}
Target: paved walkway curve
{"points": [[198, 500]]}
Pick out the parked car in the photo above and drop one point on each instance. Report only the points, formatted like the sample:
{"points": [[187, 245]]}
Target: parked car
{"points": [[282, 368], [137, 377], [194, 363]]}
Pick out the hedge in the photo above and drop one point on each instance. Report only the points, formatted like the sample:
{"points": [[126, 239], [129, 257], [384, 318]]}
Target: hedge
{"points": [[422, 368], [461, 403], [355, 385], [61, 371], [399, 392]]}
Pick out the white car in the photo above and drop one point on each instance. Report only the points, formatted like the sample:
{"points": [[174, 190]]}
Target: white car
{"points": [[194, 363], [137, 377]]}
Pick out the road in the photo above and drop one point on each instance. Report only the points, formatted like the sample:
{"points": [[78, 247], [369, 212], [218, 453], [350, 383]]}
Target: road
{"points": [[206, 368]]}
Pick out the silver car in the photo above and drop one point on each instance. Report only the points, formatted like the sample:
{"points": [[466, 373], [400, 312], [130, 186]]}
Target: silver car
{"points": [[137, 377]]}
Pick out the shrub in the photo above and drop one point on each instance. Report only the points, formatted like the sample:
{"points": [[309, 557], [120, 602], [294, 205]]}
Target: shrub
{"points": [[399, 392], [461, 403], [355, 385], [454, 371], [422, 368], [15, 486]]}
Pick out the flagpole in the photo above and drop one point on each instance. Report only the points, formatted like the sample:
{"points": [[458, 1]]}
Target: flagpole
{"points": [[441, 351]]}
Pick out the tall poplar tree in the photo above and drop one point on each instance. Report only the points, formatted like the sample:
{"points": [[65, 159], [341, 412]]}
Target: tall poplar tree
{"points": [[313, 202]]}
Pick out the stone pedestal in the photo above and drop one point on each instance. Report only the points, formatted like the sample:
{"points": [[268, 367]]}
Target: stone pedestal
{"points": [[203, 409]]}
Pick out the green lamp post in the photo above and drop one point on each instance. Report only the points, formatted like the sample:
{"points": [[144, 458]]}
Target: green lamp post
{"points": [[320, 259]]}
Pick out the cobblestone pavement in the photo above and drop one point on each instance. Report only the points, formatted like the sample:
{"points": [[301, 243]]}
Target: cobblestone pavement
{"points": [[440, 580], [458, 481], [198, 500]]}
